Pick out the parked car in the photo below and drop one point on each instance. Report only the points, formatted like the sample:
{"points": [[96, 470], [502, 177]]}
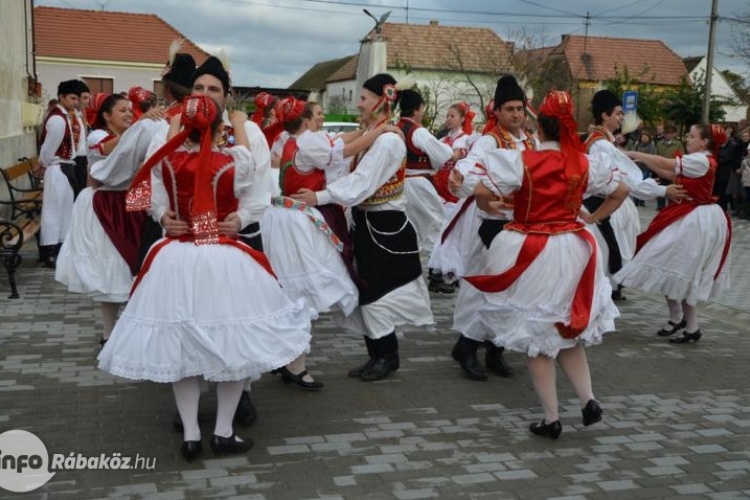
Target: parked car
{"points": [[339, 127]]}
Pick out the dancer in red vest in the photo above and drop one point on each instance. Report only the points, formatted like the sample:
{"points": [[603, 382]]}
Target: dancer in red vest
{"points": [[204, 305], [545, 284], [684, 253]]}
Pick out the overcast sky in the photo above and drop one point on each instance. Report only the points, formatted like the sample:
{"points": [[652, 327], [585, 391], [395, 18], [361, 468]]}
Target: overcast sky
{"points": [[272, 42]]}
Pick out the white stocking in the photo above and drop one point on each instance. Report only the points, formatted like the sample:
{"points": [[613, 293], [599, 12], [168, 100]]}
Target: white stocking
{"points": [[227, 397], [691, 317], [575, 365], [675, 313], [542, 370], [109, 317], [187, 395]]}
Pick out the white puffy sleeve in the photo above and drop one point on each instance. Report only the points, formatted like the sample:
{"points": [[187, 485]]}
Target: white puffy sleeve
{"points": [[54, 134], [503, 171], [467, 166], [692, 165], [94, 143], [244, 172], [604, 177], [438, 152], [262, 189], [118, 169], [378, 165], [316, 150]]}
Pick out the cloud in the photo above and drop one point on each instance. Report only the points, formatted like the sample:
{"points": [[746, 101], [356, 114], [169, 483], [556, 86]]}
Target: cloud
{"points": [[272, 42]]}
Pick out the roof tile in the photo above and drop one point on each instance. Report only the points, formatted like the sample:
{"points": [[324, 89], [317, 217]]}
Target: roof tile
{"points": [[106, 36]]}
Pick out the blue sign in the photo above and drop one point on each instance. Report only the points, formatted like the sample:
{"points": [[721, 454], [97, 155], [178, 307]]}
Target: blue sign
{"points": [[629, 101]]}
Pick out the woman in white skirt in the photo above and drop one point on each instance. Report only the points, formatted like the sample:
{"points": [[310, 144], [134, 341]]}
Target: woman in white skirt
{"points": [[93, 259], [684, 253], [204, 304], [546, 284]]}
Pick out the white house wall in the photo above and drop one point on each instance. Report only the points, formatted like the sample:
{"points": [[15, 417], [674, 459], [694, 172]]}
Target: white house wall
{"points": [[18, 114], [720, 87], [446, 87]]}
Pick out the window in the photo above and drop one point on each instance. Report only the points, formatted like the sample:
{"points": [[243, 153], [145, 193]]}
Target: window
{"points": [[105, 85], [350, 95]]}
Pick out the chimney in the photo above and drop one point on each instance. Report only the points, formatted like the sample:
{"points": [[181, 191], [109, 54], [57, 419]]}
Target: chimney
{"points": [[433, 22]]}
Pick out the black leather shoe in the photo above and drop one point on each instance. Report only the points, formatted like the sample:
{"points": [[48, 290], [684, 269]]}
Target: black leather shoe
{"points": [[298, 379], [357, 372], [687, 337], [617, 295], [551, 431], [495, 361], [465, 353], [592, 413], [675, 328], [245, 414], [381, 368], [191, 449], [223, 445]]}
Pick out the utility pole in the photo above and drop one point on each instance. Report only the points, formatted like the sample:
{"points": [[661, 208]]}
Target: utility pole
{"points": [[710, 61], [407, 11]]}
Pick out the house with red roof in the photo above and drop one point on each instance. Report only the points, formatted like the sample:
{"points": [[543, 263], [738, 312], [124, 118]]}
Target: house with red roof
{"points": [[110, 51], [591, 61], [453, 63]]}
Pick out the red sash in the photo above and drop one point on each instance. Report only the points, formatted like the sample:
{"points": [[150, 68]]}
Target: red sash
{"points": [[532, 246], [672, 213], [259, 257]]}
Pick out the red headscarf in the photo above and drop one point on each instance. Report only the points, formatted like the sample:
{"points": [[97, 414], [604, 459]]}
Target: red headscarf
{"points": [[199, 113], [262, 101], [558, 104], [489, 113], [468, 117], [95, 103], [289, 109], [139, 95]]}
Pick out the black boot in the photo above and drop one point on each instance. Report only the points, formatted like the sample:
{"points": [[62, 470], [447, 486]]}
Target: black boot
{"points": [[495, 361], [465, 353], [246, 414], [48, 255], [386, 359], [357, 372]]}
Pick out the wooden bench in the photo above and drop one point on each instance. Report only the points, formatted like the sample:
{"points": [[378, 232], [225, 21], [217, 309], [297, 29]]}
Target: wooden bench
{"points": [[25, 203]]}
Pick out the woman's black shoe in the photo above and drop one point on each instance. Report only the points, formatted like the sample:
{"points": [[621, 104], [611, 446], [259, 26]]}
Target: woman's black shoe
{"points": [[675, 328], [223, 445], [687, 337], [592, 413], [191, 449], [551, 431], [298, 379]]}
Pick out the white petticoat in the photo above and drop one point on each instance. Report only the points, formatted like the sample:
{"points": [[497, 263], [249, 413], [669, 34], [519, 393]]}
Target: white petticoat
{"points": [[425, 211], [307, 265], [208, 310], [523, 316], [680, 262], [89, 262], [462, 247]]}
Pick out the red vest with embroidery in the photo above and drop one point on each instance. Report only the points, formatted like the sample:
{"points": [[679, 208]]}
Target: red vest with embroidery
{"points": [[291, 179], [179, 170], [66, 149], [597, 135], [548, 201], [700, 189], [416, 159]]}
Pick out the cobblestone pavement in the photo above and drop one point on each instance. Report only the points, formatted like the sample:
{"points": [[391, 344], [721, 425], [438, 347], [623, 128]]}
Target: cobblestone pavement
{"points": [[676, 421]]}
